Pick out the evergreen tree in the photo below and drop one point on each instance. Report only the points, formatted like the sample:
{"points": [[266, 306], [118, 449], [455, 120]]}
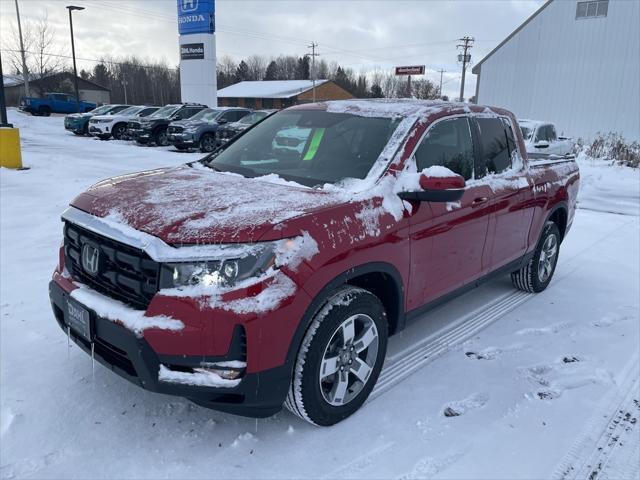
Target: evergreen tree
{"points": [[242, 72], [376, 91], [303, 69], [272, 71]]}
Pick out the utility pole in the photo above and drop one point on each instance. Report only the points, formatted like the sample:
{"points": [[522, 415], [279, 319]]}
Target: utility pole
{"points": [[441, 71], [313, 66], [465, 58], [71, 8], [25, 72], [3, 104]]}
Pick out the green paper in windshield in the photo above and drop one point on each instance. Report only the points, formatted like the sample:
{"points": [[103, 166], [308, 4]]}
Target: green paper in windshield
{"points": [[315, 143]]}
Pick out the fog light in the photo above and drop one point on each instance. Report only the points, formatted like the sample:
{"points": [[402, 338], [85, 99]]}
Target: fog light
{"points": [[227, 370]]}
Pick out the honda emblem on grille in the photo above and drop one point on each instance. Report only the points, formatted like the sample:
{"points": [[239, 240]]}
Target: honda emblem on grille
{"points": [[90, 257]]}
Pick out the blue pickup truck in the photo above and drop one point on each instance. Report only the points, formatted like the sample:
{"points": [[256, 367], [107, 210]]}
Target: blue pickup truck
{"points": [[54, 103]]}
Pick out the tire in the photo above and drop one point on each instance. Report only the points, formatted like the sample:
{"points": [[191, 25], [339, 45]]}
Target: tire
{"points": [[160, 137], [327, 399], [182, 148], [208, 143], [44, 111], [118, 131], [536, 275]]}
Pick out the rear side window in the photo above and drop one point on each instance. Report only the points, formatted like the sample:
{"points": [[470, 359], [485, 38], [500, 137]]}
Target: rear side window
{"points": [[494, 143], [448, 144]]}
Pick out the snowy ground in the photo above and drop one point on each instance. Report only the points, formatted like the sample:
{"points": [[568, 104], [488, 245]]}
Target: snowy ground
{"points": [[544, 385]]}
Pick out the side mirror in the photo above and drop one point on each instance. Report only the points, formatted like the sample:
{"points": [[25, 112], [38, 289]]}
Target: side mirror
{"points": [[437, 189], [222, 121], [542, 144]]}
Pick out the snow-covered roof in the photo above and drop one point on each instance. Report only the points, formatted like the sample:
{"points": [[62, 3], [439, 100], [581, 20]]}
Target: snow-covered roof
{"points": [[268, 88], [11, 80]]}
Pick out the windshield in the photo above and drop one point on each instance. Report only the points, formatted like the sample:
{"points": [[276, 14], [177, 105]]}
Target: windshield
{"points": [[130, 111], [252, 118], [310, 147], [526, 132], [164, 111], [208, 115]]}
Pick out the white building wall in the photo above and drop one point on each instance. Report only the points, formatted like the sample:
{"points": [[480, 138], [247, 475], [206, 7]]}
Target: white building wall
{"points": [[583, 74]]}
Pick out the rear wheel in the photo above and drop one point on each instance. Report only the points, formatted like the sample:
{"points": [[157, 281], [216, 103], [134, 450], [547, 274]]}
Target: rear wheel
{"points": [[536, 275], [119, 130], [160, 137], [44, 111], [340, 358], [208, 143]]}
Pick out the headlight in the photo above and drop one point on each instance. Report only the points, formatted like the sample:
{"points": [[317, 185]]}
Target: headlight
{"points": [[190, 130], [104, 120], [221, 273]]}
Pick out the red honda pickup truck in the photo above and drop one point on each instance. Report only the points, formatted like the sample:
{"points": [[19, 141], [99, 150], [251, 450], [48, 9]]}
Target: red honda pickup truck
{"points": [[274, 270]]}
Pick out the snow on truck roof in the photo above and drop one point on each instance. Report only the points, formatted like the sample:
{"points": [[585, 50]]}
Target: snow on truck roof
{"points": [[398, 107], [268, 88]]}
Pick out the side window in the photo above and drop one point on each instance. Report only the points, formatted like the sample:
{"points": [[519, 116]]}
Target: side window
{"points": [[448, 143], [511, 139], [541, 136], [551, 133], [494, 143], [230, 116]]}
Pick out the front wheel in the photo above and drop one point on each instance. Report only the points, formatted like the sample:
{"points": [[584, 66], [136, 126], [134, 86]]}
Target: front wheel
{"points": [[208, 143], [119, 131], [536, 275], [340, 358], [160, 138]]}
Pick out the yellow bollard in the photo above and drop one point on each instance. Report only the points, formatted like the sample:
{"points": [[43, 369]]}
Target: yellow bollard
{"points": [[10, 155]]}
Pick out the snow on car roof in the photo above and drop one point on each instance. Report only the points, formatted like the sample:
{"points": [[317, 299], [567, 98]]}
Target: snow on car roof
{"points": [[268, 88]]}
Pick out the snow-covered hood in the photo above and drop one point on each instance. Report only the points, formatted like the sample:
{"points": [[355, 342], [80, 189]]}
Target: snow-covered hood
{"points": [[196, 205], [80, 115]]}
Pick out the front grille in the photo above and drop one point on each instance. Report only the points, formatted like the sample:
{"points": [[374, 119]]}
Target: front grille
{"points": [[124, 273], [173, 129]]}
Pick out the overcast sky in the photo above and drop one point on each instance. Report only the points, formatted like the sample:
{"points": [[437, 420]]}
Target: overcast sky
{"points": [[363, 35]]}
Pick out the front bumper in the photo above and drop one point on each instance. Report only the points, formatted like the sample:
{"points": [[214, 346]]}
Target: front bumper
{"points": [[74, 126], [182, 139], [140, 135], [99, 129], [259, 394]]}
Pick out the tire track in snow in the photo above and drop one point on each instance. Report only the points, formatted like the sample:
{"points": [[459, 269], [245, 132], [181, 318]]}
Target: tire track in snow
{"points": [[609, 446], [402, 364]]}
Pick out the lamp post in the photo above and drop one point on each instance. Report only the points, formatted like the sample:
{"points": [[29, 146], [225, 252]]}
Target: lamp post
{"points": [[71, 8]]}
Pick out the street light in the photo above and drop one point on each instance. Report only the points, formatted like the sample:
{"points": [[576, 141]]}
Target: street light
{"points": [[71, 8]]}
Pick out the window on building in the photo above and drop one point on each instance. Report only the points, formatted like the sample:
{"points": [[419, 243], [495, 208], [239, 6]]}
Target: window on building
{"points": [[592, 9], [448, 144]]}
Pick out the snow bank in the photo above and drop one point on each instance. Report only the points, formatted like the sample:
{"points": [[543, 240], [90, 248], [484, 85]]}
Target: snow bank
{"points": [[118, 312]]}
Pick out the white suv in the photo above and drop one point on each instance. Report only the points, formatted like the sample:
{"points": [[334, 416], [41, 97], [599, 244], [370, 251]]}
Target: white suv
{"points": [[105, 126]]}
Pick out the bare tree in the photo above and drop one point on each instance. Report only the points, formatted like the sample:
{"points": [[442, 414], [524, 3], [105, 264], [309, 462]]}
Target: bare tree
{"points": [[43, 57], [257, 67]]}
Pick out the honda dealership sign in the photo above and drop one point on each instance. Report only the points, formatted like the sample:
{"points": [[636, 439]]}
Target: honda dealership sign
{"points": [[196, 25], [196, 16]]}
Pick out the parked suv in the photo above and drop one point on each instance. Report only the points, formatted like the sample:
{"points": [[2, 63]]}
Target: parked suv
{"points": [[231, 130], [78, 123], [153, 129], [262, 276], [106, 126], [200, 130]]}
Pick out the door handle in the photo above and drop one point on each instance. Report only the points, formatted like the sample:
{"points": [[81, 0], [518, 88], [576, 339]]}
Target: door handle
{"points": [[479, 201]]}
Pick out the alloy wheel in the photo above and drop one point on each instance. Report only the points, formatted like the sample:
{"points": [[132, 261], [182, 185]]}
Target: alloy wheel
{"points": [[548, 256], [348, 360]]}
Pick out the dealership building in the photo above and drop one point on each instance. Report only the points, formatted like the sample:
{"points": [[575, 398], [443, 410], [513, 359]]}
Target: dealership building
{"points": [[573, 62], [279, 93]]}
